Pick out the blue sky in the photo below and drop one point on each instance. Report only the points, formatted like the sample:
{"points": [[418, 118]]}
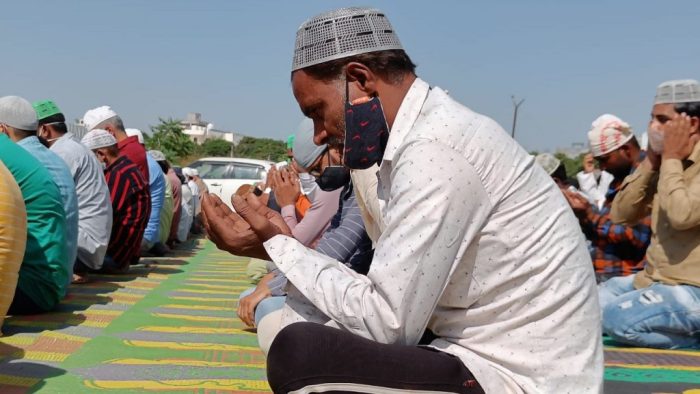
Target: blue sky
{"points": [[230, 60]]}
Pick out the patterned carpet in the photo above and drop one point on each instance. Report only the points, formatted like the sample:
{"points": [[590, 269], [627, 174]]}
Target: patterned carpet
{"points": [[170, 326]]}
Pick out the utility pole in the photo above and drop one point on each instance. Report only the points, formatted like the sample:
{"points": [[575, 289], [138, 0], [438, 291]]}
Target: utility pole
{"points": [[516, 105]]}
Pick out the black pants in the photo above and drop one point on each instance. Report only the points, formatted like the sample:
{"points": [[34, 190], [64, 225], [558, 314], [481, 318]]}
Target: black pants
{"points": [[314, 358], [23, 305]]}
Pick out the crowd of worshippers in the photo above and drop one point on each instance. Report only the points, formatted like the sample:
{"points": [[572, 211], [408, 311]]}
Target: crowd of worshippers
{"points": [[75, 207], [411, 244]]}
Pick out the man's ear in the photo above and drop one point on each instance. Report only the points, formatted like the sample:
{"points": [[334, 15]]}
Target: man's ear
{"points": [[110, 129], [362, 77], [695, 124]]}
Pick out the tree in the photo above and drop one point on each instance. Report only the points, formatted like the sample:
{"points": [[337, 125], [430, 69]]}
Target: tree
{"points": [[261, 148], [169, 138], [216, 147]]}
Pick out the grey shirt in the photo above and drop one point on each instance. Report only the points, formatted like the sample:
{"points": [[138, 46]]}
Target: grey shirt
{"points": [[94, 204]]}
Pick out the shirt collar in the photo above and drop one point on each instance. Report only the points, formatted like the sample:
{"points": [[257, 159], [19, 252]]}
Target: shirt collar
{"points": [[29, 141], [128, 140], [695, 154], [409, 110], [111, 166]]}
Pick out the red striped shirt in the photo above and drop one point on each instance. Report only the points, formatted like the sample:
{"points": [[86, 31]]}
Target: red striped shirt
{"points": [[131, 207]]}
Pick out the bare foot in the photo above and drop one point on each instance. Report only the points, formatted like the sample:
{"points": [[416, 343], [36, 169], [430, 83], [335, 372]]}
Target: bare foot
{"points": [[80, 278]]}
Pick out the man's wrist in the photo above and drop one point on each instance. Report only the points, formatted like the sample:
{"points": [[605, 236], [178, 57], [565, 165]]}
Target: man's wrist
{"points": [[672, 156]]}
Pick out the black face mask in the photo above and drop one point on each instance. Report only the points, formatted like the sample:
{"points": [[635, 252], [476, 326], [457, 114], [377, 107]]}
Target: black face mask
{"points": [[333, 177], [366, 133]]}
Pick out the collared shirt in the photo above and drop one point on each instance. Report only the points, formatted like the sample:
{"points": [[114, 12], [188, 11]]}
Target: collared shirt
{"points": [[131, 205], [94, 207], [131, 148], [479, 246], [365, 182], [156, 183], [176, 185], [617, 249], [673, 256], [45, 270], [61, 175]]}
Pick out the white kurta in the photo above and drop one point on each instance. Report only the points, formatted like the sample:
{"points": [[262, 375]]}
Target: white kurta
{"points": [[479, 246], [94, 204]]}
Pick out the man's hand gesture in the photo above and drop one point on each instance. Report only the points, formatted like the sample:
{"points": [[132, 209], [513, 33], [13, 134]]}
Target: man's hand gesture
{"points": [[679, 138], [242, 232]]}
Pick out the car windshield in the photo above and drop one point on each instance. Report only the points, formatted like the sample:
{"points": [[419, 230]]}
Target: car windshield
{"points": [[228, 170]]}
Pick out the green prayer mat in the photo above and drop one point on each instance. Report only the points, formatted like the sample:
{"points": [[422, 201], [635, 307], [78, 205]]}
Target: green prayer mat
{"points": [[169, 326]]}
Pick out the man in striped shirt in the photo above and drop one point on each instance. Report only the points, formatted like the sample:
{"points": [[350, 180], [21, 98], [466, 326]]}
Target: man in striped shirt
{"points": [[131, 201]]}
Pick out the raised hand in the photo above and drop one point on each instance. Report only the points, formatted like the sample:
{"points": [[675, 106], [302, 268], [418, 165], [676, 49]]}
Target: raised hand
{"points": [[679, 138], [287, 187], [228, 230], [578, 203], [263, 221]]}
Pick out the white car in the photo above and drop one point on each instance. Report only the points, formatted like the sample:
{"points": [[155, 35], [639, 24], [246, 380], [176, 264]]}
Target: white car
{"points": [[224, 175]]}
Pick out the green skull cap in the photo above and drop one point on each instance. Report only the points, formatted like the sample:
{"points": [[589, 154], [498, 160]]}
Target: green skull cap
{"points": [[45, 108]]}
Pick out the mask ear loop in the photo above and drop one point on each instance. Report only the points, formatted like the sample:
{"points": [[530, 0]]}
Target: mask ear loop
{"points": [[347, 101]]}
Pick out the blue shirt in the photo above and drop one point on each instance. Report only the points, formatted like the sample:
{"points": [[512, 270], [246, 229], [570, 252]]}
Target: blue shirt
{"points": [[156, 181], [63, 178]]}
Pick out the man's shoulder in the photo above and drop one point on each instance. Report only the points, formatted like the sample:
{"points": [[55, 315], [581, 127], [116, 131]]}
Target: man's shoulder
{"points": [[446, 120]]}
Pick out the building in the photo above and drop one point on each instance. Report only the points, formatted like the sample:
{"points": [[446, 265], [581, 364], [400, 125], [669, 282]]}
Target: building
{"points": [[200, 131]]}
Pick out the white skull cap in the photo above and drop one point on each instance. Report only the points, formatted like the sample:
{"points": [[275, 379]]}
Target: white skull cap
{"points": [[137, 133], [343, 33], [548, 162], [95, 116], [98, 138], [678, 91]]}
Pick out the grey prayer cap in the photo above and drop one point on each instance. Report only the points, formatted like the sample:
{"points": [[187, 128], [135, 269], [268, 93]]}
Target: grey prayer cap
{"points": [[678, 91], [305, 151], [18, 113], [343, 33], [548, 162]]}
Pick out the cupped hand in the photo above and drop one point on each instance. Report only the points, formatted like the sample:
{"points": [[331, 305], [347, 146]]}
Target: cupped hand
{"points": [[263, 221], [228, 230]]}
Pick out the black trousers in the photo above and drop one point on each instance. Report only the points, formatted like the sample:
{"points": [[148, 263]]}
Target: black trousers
{"points": [[308, 357], [23, 305]]}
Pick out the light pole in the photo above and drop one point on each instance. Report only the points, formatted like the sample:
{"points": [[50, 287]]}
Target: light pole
{"points": [[516, 105]]}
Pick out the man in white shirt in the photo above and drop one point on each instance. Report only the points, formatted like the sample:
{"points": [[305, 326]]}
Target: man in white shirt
{"points": [[480, 258], [94, 204]]}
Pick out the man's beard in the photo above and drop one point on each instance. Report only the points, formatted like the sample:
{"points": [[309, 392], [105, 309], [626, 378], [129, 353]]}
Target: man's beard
{"points": [[336, 142]]}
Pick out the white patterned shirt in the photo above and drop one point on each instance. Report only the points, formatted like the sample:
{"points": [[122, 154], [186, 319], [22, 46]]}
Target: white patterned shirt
{"points": [[479, 246]]}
